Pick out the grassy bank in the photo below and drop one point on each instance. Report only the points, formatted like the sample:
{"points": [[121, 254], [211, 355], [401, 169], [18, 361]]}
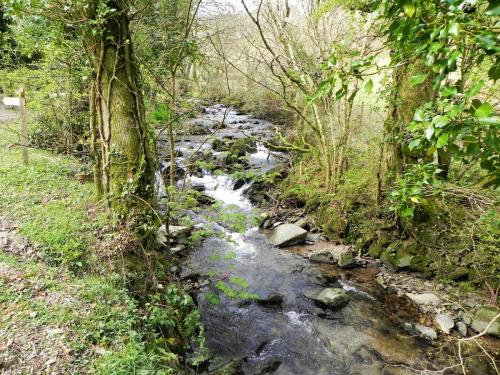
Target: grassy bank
{"points": [[59, 303]]}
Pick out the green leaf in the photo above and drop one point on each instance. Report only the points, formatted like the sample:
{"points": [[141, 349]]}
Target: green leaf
{"points": [[494, 8], [409, 8], [419, 115], [417, 79], [369, 87], [448, 91], [440, 121], [414, 143], [494, 71], [474, 89], [453, 29], [494, 120], [429, 132], [406, 212], [442, 140], [484, 110]]}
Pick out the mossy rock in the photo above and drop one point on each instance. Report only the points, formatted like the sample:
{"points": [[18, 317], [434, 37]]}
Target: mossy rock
{"points": [[390, 261], [403, 258], [394, 247], [420, 263], [241, 146], [459, 274], [384, 240], [376, 250]]}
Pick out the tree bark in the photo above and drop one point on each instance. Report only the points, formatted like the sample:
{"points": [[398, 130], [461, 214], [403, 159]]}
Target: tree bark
{"points": [[125, 158]]}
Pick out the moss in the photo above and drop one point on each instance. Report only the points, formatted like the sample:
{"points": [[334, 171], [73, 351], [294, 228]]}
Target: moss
{"points": [[390, 260], [376, 249]]}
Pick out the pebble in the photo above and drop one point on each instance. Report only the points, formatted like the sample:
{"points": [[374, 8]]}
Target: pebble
{"points": [[444, 323], [461, 328]]}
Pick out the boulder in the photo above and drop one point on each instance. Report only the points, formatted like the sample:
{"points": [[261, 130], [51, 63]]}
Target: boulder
{"points": [[444, 323], [287, 235], [272, 300], [483, 317], [178, 234], [322, 257], [332, 297], [389, 260], [426, 332], [424, 298], [346, 260], [241, 146]]}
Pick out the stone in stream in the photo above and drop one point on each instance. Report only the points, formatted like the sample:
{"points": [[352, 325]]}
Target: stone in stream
{"points": [[322, 257], [312, 238], [332, 297], [424, 298], [426, 332], [178, 234], [346, 260], [444, 323], [272, 300], [483, 317], [287, 235]]}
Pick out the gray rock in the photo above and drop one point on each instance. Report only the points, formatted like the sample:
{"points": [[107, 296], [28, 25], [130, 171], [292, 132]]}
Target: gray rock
{"points": [[465, 318], [323, 257], [272, 300], [346, 260], [287, 235], [312, 238], [426, 332], [424, 298], [461, 328], [483, 317], [332, 297], [444, 323], [471, 301]]}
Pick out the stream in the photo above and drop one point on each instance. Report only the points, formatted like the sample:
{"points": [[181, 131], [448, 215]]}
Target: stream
{"points": [[252, 298]]}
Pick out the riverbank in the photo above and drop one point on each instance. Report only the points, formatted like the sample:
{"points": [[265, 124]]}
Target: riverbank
{"points": [[254, 298], [64, 305]]}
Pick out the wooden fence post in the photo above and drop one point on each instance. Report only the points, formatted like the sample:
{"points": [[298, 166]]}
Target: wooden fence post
{"points": [[24, 125]]}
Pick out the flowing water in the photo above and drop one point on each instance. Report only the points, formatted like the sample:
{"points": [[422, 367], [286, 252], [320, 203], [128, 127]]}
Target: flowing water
{"points": [[271, 327]]}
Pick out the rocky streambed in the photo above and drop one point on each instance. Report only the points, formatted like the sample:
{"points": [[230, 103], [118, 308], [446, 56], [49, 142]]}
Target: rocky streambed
{"points": [[271, 304]]}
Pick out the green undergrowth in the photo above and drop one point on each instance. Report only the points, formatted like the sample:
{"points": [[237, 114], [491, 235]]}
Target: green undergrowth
{"points": [[48, 204], [454, 235], [331, 211], [108, 329]]}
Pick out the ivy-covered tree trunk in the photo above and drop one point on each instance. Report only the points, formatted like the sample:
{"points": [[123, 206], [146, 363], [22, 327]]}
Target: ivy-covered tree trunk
{"points": [[406, 99], [125, 157]]}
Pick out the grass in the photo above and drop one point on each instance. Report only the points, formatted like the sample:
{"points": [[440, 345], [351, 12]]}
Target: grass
{"points": [[105, 329], [49, 205]]}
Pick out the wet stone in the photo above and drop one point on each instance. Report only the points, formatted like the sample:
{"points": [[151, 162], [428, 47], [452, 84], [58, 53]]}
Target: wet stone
{"points": [[287, 235], [323, 257], [332, 297], [444, 323], [426, 332], [424, 298]]}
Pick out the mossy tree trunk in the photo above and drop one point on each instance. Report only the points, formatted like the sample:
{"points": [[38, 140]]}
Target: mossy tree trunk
{"points": [[125, 164], [406, 99]]}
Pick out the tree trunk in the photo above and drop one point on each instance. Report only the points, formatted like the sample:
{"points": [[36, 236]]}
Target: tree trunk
{"points": [[126, 154], [405, 100]]}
